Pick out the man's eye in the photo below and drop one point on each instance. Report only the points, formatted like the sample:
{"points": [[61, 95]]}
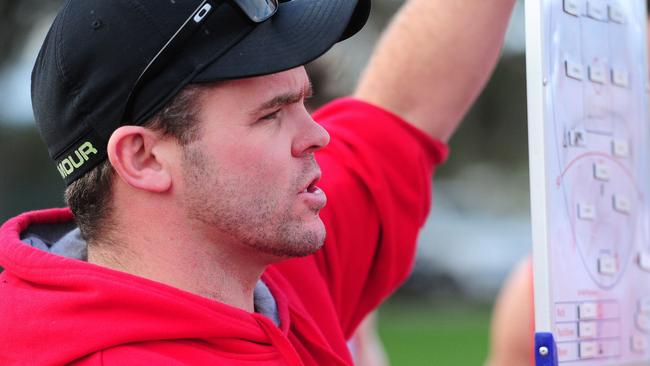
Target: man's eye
{"points": [[271, 116]]}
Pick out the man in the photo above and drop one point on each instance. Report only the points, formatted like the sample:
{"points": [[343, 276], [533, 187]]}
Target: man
{"points": [[193, 176]]}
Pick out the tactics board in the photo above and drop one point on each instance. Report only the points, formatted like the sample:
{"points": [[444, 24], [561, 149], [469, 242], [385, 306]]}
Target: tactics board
{"points": [[590, 179]]}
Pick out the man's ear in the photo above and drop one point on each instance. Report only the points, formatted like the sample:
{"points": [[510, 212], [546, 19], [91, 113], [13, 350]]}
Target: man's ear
{"points": [[135, 153]]}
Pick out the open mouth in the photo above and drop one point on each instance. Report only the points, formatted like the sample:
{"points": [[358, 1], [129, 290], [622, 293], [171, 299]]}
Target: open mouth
{"points": [[311, 187], [312, 195]]}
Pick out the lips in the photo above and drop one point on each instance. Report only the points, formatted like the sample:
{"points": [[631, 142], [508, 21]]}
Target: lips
{"points": [[313, 196], [311, 186]]}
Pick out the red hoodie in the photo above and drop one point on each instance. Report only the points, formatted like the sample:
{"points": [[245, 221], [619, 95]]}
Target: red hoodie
{"points": [[377, 174]]}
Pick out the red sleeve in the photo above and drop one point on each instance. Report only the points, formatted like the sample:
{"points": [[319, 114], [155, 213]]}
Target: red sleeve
{"points": [[377, 174]]}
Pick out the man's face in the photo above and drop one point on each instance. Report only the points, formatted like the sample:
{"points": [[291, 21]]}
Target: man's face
{"points": [[250, 179]]}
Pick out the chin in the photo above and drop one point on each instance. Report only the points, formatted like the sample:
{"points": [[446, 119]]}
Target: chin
{"points": [[309, 242], [295, 241]]}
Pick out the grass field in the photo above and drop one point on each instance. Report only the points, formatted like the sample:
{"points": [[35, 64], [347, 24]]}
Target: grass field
{"points": [[440, 335]]}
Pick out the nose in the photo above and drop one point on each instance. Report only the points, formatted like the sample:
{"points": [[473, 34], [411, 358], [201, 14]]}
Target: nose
{"points": [[312, 137]]}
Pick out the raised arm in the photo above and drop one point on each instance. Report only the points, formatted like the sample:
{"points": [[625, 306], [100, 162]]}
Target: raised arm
{"points": [[434, 59]]}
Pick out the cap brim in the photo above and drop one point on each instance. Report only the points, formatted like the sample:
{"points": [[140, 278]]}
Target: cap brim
{"points": [[300, 31]]}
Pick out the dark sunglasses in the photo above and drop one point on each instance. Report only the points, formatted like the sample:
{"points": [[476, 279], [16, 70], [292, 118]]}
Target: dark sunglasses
{"points": [[256, 10]]}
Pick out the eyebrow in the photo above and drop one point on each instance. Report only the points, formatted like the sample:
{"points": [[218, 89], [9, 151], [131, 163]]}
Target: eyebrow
{"points": [[285, 99]]}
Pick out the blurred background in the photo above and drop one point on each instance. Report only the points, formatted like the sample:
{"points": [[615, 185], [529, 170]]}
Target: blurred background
{"points": [[479, 225]]}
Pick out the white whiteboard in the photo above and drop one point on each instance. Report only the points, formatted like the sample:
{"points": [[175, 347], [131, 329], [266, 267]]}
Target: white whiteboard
{"points": [[590, 178]]}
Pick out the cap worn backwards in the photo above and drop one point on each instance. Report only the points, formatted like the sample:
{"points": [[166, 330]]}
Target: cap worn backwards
{"points": [[96, 51]]}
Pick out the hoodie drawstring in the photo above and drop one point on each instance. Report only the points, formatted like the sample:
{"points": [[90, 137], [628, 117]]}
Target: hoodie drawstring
{"points": [[315, 337], [279, 341]]}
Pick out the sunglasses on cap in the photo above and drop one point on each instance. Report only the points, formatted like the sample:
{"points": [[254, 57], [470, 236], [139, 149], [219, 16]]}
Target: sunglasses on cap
{"points": [[256, 10]]}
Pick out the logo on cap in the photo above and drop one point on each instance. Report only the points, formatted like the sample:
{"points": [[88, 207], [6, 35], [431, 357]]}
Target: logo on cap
{"points": [[82, 154]]}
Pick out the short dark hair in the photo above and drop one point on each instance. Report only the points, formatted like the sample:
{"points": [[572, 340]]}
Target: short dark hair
{"points": [[91, 197]]}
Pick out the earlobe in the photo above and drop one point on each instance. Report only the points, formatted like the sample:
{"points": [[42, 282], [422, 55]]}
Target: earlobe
{"points": [[133, 152]]}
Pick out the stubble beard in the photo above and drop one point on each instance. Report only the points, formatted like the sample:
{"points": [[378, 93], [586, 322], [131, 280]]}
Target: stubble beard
{"points": [[258, 220]]}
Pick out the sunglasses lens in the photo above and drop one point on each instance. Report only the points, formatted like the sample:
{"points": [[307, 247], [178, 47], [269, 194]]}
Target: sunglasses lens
{"points": [[258, 10]]}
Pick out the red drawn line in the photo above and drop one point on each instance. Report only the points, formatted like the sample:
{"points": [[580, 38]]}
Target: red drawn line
{"points": [[596, 154], [602, 155]]}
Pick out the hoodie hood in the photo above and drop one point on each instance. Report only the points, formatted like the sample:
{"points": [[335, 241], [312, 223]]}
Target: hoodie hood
{"points": [[77, 308]]}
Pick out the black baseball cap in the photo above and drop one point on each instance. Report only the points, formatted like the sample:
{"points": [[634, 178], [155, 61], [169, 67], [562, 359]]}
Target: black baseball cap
{"points": [[108, 63]]}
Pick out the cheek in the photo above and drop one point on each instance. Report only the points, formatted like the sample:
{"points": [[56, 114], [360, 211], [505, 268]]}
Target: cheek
{"points": [[261, 168]]}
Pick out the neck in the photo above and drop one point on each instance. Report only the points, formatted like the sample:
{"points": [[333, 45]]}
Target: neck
{"points": [[221, 270]]}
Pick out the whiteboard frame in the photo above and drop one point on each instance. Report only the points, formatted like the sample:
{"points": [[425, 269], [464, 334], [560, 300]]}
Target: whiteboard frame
{"points": [[535, 85]]}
